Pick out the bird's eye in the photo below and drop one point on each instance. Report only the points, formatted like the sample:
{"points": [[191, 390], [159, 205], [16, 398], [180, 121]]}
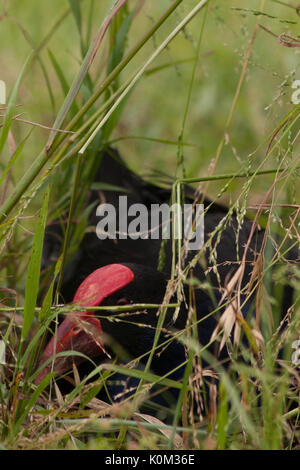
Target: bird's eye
{"points": [[76, 330], [123, 301]]}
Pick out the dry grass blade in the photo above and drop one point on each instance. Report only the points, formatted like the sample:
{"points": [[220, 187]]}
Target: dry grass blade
{"points": [[178, 442], [95, 403], [229, 317]]}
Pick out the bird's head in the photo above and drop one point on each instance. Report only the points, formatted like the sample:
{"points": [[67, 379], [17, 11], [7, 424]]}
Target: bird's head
{"points": [[111, 285]]}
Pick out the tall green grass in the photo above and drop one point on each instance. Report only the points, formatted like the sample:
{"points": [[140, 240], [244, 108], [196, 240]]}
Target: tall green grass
{"points": [[256, 404]]}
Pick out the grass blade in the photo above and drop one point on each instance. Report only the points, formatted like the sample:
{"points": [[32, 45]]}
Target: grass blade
{"points": [[75, 7], [41, 387], [63, 82], [141, 71], [36, 55], [14, 157], [89, 58], [33, 276]]}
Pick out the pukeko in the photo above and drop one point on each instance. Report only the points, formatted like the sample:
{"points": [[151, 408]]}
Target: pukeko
{"points": [[124, 271]]}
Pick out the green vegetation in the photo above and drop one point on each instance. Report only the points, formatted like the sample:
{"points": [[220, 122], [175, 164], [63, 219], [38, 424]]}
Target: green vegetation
{"points": [[184, 97]]}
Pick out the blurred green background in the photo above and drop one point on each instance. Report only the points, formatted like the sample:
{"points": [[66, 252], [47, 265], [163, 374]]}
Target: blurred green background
{"points": [[156, 107]]}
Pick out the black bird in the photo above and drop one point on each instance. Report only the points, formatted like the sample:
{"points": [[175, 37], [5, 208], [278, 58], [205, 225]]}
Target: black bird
{"points": [[124, 271]]}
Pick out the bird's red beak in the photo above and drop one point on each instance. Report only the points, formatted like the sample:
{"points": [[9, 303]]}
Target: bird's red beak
{"points": [[81, 331]]}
